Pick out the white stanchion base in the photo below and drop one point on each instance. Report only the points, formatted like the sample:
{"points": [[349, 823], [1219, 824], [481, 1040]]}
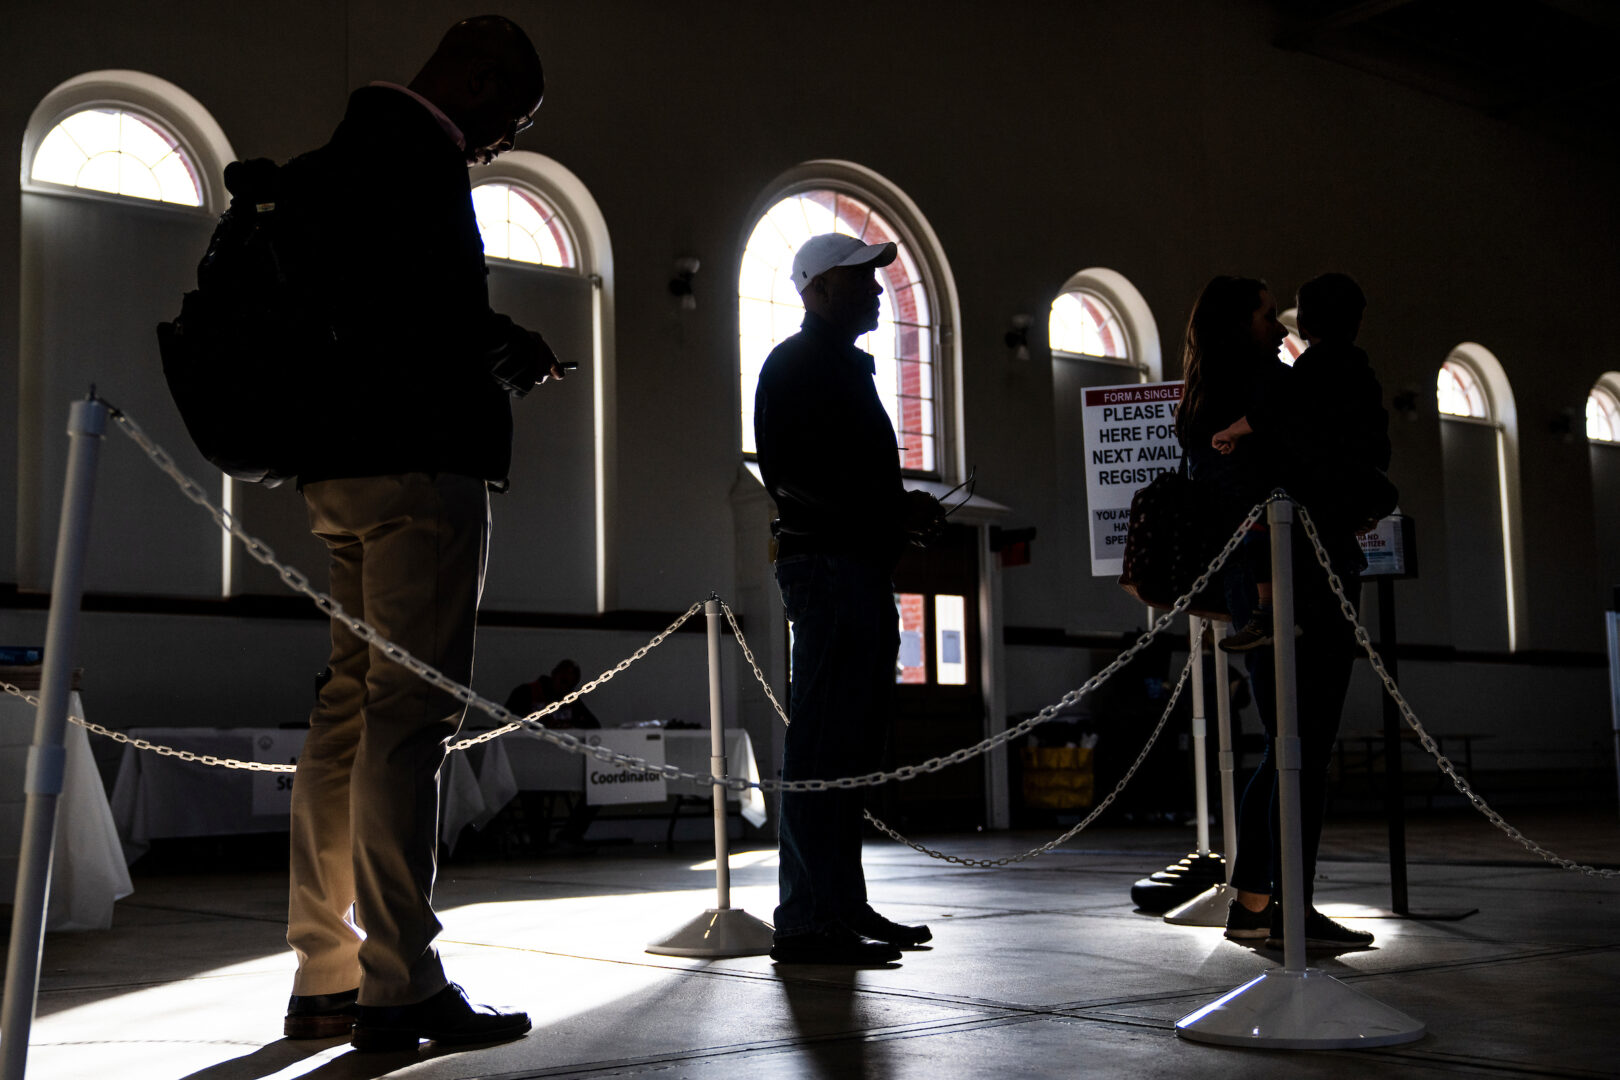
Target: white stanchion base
{"points": [[718, 932], [1208, 908], [1298, 1010]]}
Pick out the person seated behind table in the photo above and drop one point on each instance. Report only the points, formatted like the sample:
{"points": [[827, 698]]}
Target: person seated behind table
{"points": [[529, 697]]}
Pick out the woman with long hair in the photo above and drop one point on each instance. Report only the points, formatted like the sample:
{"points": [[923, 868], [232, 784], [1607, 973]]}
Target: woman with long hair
{"points": [[1230, 370]]}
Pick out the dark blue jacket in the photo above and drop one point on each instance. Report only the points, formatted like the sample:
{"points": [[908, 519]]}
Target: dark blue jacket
{"points": [[827, 449]]}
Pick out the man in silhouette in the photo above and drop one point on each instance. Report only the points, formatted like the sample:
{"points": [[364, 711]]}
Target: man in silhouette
{"points": [[411, 426], [828, 455]]}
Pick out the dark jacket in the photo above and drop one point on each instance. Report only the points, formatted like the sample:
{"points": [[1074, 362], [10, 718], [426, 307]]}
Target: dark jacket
{"points": [[1340, 435], [409, 388], [827, 449], [1330, 437]]}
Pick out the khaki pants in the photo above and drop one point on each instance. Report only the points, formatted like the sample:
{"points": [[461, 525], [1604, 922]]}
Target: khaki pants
{"points": [[407, 556]]}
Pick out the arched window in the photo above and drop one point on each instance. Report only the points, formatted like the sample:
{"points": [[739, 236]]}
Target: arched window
{"points": [[1484, 533], [551, 269], [1602, 415], [912, 331], [1459, 392], [520, 225], [1101, 333], [1293, 345], [121, 175], [1100, 316], [118, 152], [1603, 455], [1082, 323], [769, 311]]}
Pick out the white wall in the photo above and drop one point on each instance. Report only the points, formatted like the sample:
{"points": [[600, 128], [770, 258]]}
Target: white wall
{"points": [[1167, 141]]}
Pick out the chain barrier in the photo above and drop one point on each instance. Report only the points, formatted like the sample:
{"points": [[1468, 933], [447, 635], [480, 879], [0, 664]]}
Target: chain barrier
{"points": [[995, 864], [509, 722], [1445, 764], [299, 583], [461, 744], [990, 864]]}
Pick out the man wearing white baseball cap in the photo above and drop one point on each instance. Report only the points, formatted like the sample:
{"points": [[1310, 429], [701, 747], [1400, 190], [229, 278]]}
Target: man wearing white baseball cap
{"points": [[828, 455]]}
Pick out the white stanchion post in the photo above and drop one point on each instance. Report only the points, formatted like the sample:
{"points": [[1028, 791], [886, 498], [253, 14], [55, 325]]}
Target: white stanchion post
{"points": [[1200, 728], [1209, 907], [717, 761], [721, 930], [1228, 758], [87, 423], [1296, 1008]]}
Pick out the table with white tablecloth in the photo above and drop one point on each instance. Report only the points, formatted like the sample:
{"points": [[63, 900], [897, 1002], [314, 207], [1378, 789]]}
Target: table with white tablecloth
{"points": [[156, 796], [88, 873], [492, 775]]}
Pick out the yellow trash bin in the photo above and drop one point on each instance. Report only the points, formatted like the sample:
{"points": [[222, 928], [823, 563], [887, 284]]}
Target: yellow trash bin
{"points": [[1059, 777]]}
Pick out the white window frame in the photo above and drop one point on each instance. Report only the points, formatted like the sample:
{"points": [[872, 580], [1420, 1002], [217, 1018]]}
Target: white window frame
{"points": [[593, 256], [1607, 384], [857, 181], [1135, 321], [1503, 416], [1290, 321], [200, 137]]}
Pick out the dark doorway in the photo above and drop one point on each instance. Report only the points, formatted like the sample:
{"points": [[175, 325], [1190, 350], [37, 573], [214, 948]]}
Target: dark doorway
{"points": [[939, 701]]}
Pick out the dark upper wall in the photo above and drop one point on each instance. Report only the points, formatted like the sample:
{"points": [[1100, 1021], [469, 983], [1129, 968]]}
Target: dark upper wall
{"points": [[1168, 141]]}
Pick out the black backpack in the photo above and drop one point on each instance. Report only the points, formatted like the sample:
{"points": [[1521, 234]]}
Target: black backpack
{"points": [[240, 355]]}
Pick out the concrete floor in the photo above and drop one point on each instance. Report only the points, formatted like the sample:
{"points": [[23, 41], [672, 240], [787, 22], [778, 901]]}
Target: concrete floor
{"points": [[1039, 970]]}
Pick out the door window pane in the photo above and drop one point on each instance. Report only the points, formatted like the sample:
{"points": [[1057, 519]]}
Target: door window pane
{"points": [[912, 665], [950, 639]]}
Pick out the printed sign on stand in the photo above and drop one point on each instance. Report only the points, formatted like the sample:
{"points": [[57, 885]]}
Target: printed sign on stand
{"points": [[609, 783], [1390, 548], [272, 791], [1130, 439]]}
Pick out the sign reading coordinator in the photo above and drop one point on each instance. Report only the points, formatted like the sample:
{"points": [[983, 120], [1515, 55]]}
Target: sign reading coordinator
{"points": [[1130, 438]]}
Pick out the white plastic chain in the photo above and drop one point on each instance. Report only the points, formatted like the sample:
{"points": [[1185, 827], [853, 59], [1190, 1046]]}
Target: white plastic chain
{"points": [[1424, 737], [461, 744], [574, 744]]}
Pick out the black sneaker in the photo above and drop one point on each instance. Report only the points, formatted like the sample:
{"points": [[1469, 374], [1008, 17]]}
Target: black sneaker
{"points": [[1255, 633], [869, 923], [446, 1017], [1245, 925], [1323, 931], [834, 945]]}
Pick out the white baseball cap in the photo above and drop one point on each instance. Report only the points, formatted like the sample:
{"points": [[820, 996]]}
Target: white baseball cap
{"points": [[821, 253]]}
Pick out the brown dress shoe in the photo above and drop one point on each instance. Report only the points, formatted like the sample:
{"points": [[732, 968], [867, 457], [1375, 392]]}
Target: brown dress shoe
{"points": [[320, 1016]]}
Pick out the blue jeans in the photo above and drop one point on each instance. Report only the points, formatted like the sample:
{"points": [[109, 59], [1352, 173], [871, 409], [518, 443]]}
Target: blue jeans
{"points": [[846, 635], [1324, 658]]}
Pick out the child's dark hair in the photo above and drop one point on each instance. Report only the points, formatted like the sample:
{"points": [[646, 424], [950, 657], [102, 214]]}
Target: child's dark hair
{"points": [[1330, 307]]}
